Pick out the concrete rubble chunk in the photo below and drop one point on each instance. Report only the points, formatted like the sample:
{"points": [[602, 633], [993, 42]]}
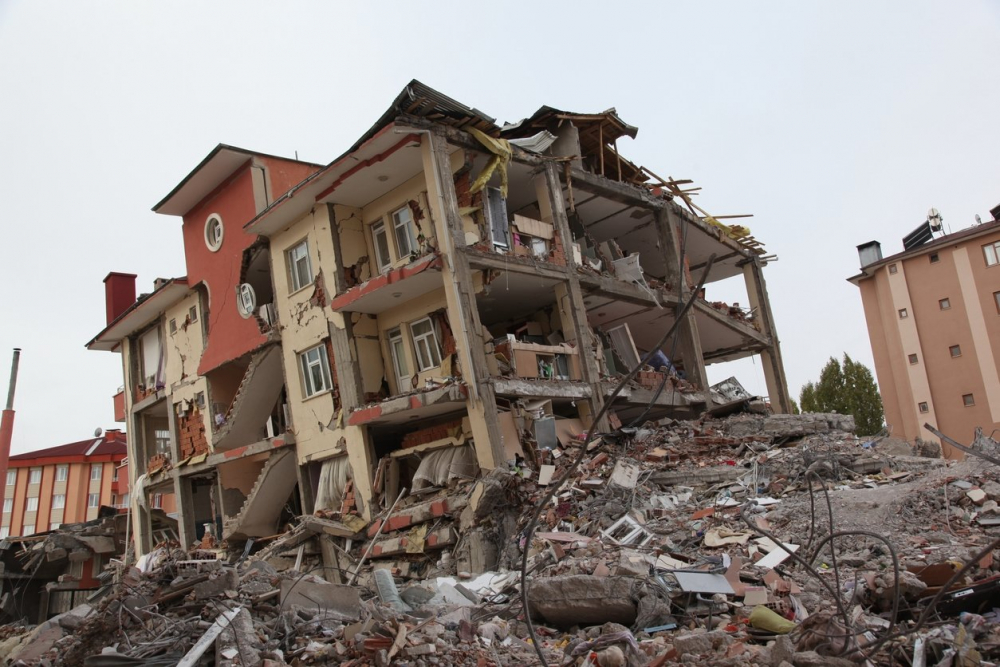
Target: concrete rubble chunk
{"points": [[583, 600], [339, 601]]}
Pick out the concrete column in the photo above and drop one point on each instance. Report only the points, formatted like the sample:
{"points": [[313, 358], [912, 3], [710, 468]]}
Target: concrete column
{"points": [[774, 368], [463, 312], [186, 524], [361, 455], [688, 340]]}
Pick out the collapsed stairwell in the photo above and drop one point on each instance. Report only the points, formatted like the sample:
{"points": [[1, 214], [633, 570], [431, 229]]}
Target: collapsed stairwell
{"points": [[258, 517], [254, 401]]}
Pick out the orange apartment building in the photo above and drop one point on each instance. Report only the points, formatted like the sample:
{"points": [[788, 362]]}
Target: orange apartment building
{"points": [[933, 314], [64, 484]]}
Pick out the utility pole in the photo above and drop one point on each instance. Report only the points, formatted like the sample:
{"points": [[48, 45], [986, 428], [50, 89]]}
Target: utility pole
{"points": [[7, 424]]}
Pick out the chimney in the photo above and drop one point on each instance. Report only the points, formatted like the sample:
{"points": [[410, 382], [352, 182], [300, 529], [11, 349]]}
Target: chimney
{"points": [[119, 293], [995, 212], [869, 253], [160, 282]]}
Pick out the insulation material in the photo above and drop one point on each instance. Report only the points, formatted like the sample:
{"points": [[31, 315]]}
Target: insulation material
{"points": [[441, 466], [502, 154], [333, 477]]}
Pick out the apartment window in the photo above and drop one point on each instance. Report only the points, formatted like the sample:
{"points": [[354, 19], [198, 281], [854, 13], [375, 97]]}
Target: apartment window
{"points": [[173, 326], [95, 471], [114, 500], [397, 351], [62, 473], [8, 505], [903, 314], [426, 345], [214, 232], [29, 529], [299, 266], [59, 501], [944, 304], [193, 314], [893, 268], [93, 500], [955, 350], [32, 505], [934, 258], [11, 477], [923, 407], [35, 476], [5, 531], [912, 358], [496, 218], [124, 500], [158, 500], [992, 253], [968, 400], [380, 239], [114, 475], [406, 240], [162, 440], [315, 370]]}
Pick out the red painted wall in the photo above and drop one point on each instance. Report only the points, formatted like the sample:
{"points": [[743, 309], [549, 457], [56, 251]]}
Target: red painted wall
{"points": [[229, 335]]}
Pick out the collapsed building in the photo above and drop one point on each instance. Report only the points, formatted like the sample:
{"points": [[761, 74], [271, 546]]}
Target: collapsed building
{"points": [[447, 296]]}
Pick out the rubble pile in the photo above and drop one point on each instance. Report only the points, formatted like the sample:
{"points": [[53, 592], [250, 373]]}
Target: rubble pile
{"points": [[748, 540]]}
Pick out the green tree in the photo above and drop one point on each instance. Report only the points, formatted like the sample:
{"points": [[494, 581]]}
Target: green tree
{"points": [[848, 389]]}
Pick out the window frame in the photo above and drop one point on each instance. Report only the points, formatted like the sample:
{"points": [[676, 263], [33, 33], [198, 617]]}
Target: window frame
{"points": [[968, 400], [992, 249], [28, 529], [62, 472], [996, 300], [397, 354], [157, 502], [934, 257], [420, 344], [903, 313], [193, 314], [296, 281], [923, 407], [913, 359], [172, 326], [379, 229], [944, 304], [93, 500], [11, 478], [96, 472], [494, 198], [31, 504], [34, 476], [213, 240], [56, 503], [955, 351], [409, 226], [306, 365], [8, 505], [893, 269]]}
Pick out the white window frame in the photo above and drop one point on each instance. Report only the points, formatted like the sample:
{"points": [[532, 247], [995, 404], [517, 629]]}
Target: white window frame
{"points": [[309, 361], [404, 231], [62, 472], [11, 477], [93, 500], [96, 472], [34, 476], [161, 441], [425, 345], [215, 232], [59, 501], [991, 251], [193, 314], [384, 264], [32, 504], [299, 265], [495, 206], [124, 500], [8, 505], [397, 352], [158, 501], [29, 529]]}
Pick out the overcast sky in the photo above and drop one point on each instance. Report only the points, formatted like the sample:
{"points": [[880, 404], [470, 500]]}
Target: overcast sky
{"points": [[833, 123]]}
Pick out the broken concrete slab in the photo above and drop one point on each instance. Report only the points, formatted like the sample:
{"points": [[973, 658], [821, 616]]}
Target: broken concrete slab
{"points": [[570, 600], [342, 602]]}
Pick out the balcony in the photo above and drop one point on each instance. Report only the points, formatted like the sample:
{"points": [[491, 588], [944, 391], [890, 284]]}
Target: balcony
{"points": [[119, 403]]}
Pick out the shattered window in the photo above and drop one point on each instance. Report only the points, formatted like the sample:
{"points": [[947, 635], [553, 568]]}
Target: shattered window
{"points": [[315, 370], [406, 240], [299, 268], [381, 241], [425, 344]]}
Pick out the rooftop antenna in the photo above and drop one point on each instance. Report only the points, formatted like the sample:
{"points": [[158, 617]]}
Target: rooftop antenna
{"points": [[979, 220], [7, 423]]}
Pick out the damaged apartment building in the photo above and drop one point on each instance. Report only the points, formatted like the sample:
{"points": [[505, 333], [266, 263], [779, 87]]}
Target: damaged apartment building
{"points": [[442, 299]]}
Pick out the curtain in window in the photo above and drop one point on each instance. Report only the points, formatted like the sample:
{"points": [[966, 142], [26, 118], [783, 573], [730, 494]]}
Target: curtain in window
{"points": [[333, 476], [440, 466]]}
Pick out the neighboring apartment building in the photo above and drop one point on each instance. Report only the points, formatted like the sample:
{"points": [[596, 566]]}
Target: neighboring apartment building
{"points": [[64, 484], [446, 295], [933, 315]]}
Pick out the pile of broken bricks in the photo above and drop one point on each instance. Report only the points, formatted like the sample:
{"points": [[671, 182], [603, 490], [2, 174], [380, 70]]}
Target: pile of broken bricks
{"points": [[696, 542]]}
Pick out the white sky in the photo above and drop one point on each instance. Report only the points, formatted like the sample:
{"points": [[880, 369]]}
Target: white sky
{"points": [[835, 123]]}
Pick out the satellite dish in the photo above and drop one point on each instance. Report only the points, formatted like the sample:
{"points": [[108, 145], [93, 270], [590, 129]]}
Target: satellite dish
{"points": [[934, 219], [246, 300], [979, 220], [98, 431]]}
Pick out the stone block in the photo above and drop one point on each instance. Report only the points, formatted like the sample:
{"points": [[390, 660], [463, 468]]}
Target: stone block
{"points": [[565, 601]]}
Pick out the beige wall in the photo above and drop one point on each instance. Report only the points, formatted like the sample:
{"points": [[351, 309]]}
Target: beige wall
{"points": [[185, 345]]}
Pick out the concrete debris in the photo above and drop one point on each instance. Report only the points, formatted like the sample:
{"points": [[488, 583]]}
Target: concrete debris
{"points": [[663, 561]]}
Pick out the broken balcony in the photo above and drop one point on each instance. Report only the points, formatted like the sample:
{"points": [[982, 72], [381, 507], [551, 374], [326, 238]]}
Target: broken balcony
{"points": [[395, 286]]}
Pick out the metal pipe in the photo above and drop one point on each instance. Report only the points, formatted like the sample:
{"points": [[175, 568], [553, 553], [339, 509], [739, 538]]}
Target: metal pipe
{"points": [[13, 378]]}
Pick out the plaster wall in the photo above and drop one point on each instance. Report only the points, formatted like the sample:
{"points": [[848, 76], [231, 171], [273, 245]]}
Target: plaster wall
{"points": [[185, 346]]}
